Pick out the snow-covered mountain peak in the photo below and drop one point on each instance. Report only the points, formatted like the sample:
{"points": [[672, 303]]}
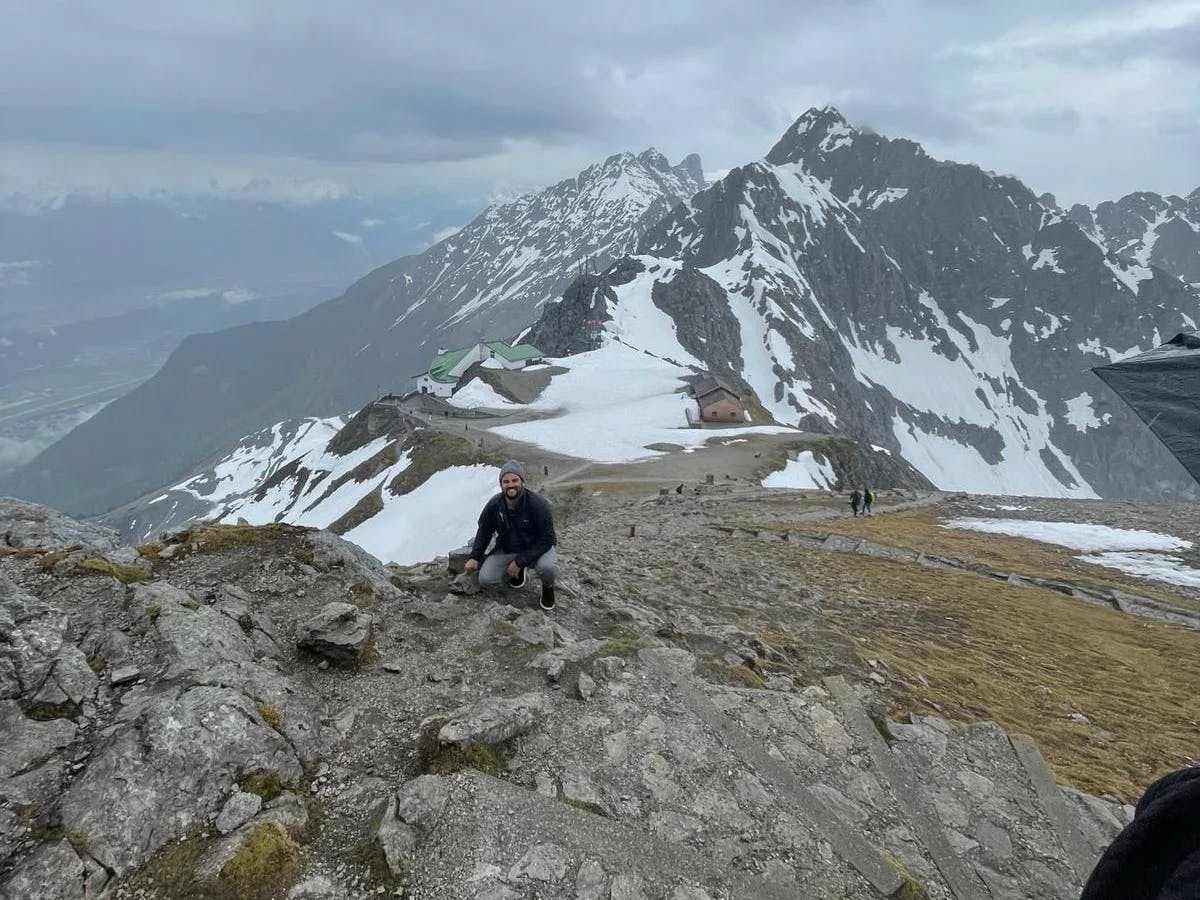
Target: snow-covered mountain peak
{"points": [[817, 131]]}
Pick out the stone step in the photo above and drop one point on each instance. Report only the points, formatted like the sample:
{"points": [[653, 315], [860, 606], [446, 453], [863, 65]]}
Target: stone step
{"points": [[497, 841], [904, 786], [990, 811], [807, 731], [844, 838]]}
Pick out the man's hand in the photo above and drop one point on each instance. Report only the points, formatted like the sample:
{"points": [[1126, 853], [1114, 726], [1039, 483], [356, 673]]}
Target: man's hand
{"points": [[513, 569], [470, 565]]}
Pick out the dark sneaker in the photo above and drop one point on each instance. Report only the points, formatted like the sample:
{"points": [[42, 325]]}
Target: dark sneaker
{"points": [[547, 597], [519, 581]]}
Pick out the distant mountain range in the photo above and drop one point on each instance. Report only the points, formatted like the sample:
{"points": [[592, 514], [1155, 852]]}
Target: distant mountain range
{"points": [[488, 278], [1156, 231], [851, 282]]}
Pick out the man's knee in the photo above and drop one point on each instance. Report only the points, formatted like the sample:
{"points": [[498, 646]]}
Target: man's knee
{"points": [[547, 567]]}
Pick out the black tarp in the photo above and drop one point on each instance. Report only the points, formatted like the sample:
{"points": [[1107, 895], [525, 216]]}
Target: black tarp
{"points": [[1163, 387]]}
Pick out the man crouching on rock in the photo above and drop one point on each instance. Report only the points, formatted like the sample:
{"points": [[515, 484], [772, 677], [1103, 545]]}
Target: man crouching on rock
{"points": [[524, 529]]}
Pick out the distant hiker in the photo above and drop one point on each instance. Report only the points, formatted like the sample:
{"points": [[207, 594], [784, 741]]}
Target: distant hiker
{"points": [[868, 499], [855, 500], [1157, 855], [524, 528]]}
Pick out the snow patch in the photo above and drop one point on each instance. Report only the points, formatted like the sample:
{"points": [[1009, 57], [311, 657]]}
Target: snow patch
{"points": [[804, 472]]}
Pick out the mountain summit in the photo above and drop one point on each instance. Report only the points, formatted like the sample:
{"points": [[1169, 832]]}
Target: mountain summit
{"points": [[488, 278], [933, 309]]}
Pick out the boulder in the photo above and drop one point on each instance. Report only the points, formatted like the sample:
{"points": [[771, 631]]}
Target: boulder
{"points": [[24, 524], [165, 771], [494, 720], [340, 631]]}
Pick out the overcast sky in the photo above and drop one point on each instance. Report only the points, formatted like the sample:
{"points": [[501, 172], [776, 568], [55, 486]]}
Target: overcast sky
{"points": [[1089, 100]]}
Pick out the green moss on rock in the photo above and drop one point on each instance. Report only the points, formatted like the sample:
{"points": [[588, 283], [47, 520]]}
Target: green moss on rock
{"points": [[263, 782], [123, 573], [266, 863], [270, 714], [910, 887]]}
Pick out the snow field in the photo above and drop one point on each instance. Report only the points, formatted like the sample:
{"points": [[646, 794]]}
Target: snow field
{"points": [[1143, 554]]}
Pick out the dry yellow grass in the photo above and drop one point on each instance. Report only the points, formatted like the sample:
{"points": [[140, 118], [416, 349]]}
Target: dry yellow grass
{"points": [[921, 529], [971, 648]]}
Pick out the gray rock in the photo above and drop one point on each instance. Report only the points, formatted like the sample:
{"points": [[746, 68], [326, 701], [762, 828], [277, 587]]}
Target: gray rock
{"points": [[586, 686], [395, 838], [994, 840], [53, 872], [27, 524], [533, 628], [237, 810], [627, 886], [543, 862], [332, 553], [339, 631], [165, 771], [591, 882], [194, 640], [607, 668], [31, 637], [124, 675], [420, 801], [829, 731], [27, 743], [578, 789], [494, 720], [318, 887]]}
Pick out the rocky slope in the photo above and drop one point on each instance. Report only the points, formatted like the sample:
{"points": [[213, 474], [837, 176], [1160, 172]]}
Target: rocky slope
{"points": [[488, 278], [268, 713], [1158, 231], [930, 308]]}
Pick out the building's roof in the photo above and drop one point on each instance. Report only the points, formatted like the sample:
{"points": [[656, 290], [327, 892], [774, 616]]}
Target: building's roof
{"points": [[443, 363], [515, 353], [706, 384], [717, 394]]}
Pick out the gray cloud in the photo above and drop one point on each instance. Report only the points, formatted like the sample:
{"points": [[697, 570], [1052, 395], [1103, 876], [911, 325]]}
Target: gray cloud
{"points": [[480, 98]]}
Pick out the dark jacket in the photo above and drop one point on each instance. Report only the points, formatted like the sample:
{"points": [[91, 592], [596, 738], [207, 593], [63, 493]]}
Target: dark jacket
{"points": [[1157, 855], [527, 531]]}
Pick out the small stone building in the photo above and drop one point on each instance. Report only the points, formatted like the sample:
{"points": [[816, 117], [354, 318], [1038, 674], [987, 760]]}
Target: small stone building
{"points": [[717, 401], [448, 366]]}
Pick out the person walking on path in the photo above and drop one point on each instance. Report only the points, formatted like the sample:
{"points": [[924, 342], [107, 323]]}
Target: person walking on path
{"points": [[523, 526], [855, 500], [868, 499]]}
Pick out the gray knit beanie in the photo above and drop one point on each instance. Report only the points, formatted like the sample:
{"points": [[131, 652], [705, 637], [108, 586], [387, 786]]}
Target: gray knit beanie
{"points": [[514, 467]]}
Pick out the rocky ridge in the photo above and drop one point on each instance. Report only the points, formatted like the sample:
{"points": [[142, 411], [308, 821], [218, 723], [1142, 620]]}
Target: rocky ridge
{"points": [[1151, 229], [930, 308], [486, 279], [175, 740]]}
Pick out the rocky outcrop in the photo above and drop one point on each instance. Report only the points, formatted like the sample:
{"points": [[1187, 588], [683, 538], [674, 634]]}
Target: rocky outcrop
{"points": [[29, 525], [138, 715], [656, 744], [339, 631]]}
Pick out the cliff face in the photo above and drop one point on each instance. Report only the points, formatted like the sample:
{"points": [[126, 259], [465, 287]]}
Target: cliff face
{"points": [[928, 308]]}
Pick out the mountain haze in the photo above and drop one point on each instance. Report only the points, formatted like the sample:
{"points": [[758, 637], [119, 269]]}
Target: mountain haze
{"points": [[487, 279]]}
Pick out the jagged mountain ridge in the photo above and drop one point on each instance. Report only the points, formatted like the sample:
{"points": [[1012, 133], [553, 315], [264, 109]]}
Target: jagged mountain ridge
{"points": [[488, 278], [1155, 230], [938, 311]]}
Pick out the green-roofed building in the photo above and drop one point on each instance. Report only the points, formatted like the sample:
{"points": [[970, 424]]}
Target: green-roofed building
{"points": [[448, 366]]}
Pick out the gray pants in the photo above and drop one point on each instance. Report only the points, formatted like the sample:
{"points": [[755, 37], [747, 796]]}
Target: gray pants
{"points": [[491, 573]]}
